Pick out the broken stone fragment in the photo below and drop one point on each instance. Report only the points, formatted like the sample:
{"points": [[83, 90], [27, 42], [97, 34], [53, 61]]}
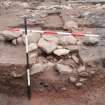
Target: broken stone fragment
{"points": [[85, 14], [49, 66], [67, 40], [43, 14], [92, 70], [47, 46], [53, 21], [32, 47], [78, 84], [14, 42], [90, 40], [60, 52], [73, 48], [36, 68], [32, 37], [69, 62], [50, 38], [99, 6], [17, 41], [63, 69], [81, 68], [33, 57], [63, 89], [20, 40], [82, 80], [9, 35], [84, 74], [96, 19], [75, 58], [54, 11], [72, 79], [59, 47], [71, 25], [17, 75], [24, 5], [79, 42]]}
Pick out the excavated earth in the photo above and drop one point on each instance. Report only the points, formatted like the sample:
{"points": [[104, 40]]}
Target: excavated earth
{"points": [[51, 87]]}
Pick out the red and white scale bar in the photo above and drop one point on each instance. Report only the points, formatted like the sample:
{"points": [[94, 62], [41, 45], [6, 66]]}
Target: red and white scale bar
{"points": [[54, 32]]}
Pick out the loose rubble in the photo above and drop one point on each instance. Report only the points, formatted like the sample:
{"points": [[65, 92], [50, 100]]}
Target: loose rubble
{"points": [[63, 69], [59, 54], [71, 26], [32, 37], [91, 40], [47, 46], [9, 35], [73, 79], [36, 68], [67, 40], [79, 84], [32, 47]]}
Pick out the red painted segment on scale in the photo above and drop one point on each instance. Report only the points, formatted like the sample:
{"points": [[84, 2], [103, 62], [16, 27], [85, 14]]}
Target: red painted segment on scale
{"points": [[40, 31], [13, 29], [77, 34]]}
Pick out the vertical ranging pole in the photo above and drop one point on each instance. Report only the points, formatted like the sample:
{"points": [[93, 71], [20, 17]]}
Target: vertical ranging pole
{"points": [[27, 58]]}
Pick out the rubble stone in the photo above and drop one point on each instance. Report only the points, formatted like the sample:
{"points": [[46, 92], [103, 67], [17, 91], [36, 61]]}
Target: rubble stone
{"points": [[84, 74], [14, 42], [51, 38], [47, 46], [67, 40], [49, 66], [20, 40], [33, 57], [53, 22], [92, 72], [85, 14], [72, 79], [9, 35], [36, 68], [91, 40], [32, 46], [71, 25], [59, 47], [83, 79], [96, 19], [24, 5], [92, 54], [32, 37], [81, 68], [17, 75], [79, 84], [70, 63], [73, 48], [60, 52], [63, 69], [74, 57]]}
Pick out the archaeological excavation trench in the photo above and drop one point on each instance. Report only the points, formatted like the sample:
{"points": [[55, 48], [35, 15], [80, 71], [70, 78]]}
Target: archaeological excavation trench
{"points": [[69, 69], [57, 62]]}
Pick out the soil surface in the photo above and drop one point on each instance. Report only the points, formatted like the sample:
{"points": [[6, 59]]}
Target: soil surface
{"points": [[92, 94]]}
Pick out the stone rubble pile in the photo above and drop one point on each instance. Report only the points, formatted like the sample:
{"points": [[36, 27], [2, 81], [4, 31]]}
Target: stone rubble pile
{"points": [[47, 52], [59, 54]]}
